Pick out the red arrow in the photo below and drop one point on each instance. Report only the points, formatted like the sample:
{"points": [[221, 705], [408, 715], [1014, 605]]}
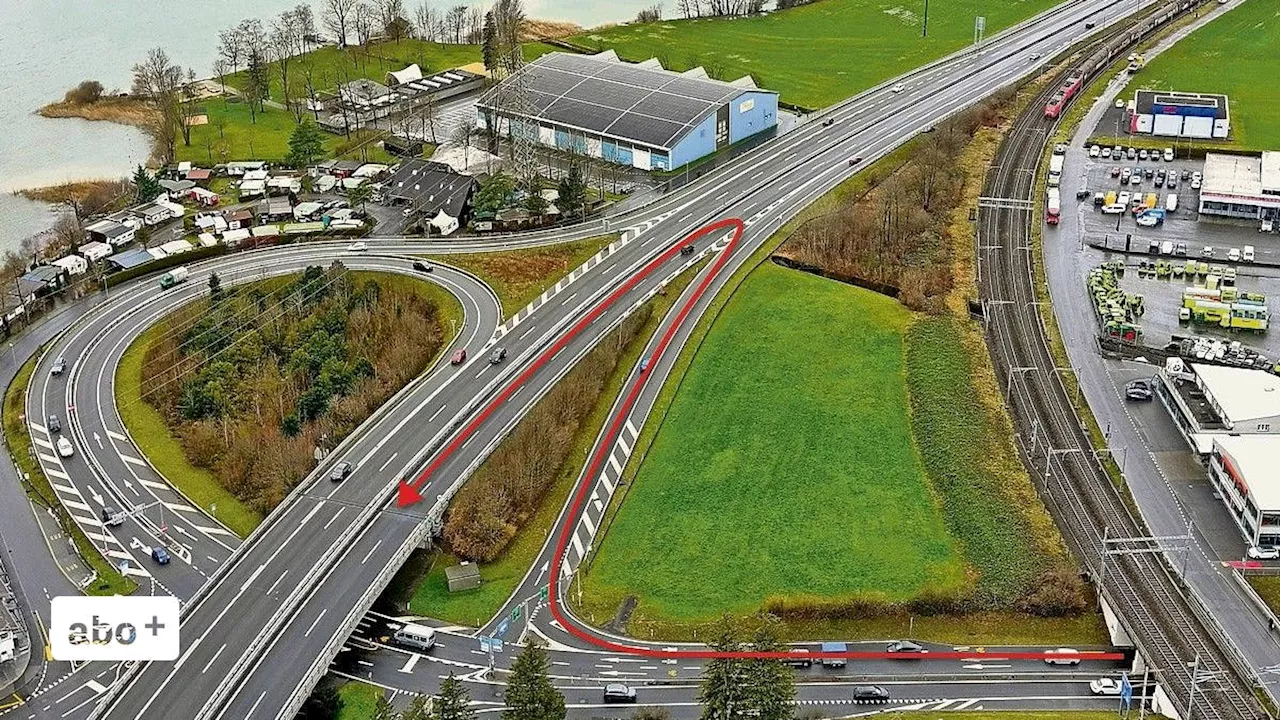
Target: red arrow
{"points": [[409, 492]]}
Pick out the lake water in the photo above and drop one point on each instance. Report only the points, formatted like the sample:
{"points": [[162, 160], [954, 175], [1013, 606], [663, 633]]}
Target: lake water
{"points": [[51, 45]]}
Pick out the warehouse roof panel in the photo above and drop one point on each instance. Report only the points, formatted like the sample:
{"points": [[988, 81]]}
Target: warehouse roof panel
{"points": [[1241, 394], [598, 94]]}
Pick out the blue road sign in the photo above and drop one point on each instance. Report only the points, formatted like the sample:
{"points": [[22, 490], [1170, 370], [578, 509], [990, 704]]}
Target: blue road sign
{"points": [[497, 645], [486, 644], [1126, 692], [503, 627]]}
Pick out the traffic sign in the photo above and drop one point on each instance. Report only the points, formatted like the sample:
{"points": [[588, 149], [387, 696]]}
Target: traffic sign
{"points": [[515, 613], [503, 627], [544, 593], [486, 644], [497, 645], [1126, 692]]}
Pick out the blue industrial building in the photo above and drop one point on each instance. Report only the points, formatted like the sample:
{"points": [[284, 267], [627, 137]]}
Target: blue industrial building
{"points": [[631, 114]]}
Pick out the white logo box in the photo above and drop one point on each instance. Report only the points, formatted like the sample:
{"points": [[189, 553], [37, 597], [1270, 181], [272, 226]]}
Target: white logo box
{"points": [[114, 628]]}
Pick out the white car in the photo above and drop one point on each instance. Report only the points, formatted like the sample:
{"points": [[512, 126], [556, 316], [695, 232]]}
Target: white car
{"points": [[1106, 153], [358, 246], [898, 88], [1095, 151], [1168, 154], [1233, 254], [1119, 102], [1264, 553], [64, 448], [1147, 220], [1105, 686], [1062, 656], [1114, 209]]}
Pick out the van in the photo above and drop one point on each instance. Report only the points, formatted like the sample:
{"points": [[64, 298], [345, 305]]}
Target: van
{"points": [[1166, 248], [834, 647], [1247, 255], [419, 637], [1171, 202]]}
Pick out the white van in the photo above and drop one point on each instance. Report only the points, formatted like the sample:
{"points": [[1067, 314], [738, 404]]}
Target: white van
{"points": [[1166, 247], [420, 637], [1171, 202], [1247, 255]]}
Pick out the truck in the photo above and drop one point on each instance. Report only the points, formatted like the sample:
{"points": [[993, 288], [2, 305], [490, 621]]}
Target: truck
{"points": [[173, 277], [1055, 166], [1053, 208]]}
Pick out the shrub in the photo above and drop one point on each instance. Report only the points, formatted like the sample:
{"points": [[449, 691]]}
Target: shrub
{"points": [[87, 92], [1058, 592]]}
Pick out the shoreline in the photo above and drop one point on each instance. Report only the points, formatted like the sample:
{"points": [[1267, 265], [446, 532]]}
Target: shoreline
{"points": [[120, 110]]}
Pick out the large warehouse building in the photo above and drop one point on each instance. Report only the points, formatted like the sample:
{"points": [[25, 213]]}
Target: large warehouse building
{"points": [[1241, 186], [631, 114], [1179, 114], [1243, 469]]}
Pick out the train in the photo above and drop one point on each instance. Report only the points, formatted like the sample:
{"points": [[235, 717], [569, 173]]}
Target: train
{"points": [[1054, 107]]}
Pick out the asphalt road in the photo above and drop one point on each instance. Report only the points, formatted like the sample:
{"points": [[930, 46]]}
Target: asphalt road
{"points": [[299, 584]]}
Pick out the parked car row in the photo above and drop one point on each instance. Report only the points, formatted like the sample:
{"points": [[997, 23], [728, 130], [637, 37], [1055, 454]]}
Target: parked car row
{"points": [[1121, 153]]}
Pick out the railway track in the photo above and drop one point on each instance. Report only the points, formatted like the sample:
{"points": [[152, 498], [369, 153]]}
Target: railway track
{"points": [[1167, 626]]}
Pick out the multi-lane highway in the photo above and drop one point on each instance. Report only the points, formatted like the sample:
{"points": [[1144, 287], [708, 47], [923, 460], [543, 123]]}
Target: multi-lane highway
{"points": [[276, 610]]}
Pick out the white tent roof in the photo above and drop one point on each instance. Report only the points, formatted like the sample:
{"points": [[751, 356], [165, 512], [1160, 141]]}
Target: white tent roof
{"points": [[407, 75]]}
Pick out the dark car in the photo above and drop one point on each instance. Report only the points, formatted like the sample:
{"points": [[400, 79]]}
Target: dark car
{"points": [[687, 249], [54, 424], [904, 646], [459, 356], [112, 517], [829, 122], [874, 693], [1089, 25], [800, 657], [340, 471], [422, 267], [855, 160], [59, 365], [1083, 194], [1138, 390], [160, 555], [619, 693], [497, 356]]}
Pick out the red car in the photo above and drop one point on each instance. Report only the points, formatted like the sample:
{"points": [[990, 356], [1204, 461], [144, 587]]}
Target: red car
{"points": [[459, 356]]}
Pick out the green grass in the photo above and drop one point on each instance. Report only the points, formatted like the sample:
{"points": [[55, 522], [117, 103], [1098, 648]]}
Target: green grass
{"points": [[151, 433], [18, 436], [149, 430], [791, 438], [519, 276], [1234, 55], [816, 54], [267, 138], [500, 578], [358, 700], [1268, 588]]}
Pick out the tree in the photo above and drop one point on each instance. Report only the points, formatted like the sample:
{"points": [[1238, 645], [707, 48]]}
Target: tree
{"points": [[215, 287], [454, 702], [382, 709], [573, 191], [770, 683], [508, 17], [230, 48], [257, 84], [306, 21], [489, 48], [187, 107], [455, 21], [306, 144], [360, 194], [530, 695], [146, 186], [337, 15], [86, 93], [462, 136], [721, 693], [287, 43], [535, 204], [492, 195], [392, 20], [159, 81]]}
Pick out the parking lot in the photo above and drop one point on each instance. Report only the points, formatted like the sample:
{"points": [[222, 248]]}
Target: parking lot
{"points": [[1209, 239]]}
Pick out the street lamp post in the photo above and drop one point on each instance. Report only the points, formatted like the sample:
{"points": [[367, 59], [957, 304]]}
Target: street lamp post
{"points": [[924, 26]]}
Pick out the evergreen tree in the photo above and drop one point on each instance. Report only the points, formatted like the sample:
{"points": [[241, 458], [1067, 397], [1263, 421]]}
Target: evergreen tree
{"points": [[306, 144], [492, 195], [215, 287], [454, 702], [573, 191], [489, 49], [360, 194], [382, 710], [770, 684], [530, 695], [418, 709], [146, 185], [723, 679]]}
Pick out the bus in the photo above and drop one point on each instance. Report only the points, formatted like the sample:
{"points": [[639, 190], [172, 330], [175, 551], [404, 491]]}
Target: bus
{"points": [[420, 637]]}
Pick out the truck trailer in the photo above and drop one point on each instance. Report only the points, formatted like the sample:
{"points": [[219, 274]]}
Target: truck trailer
{"points": [[174, 277]]}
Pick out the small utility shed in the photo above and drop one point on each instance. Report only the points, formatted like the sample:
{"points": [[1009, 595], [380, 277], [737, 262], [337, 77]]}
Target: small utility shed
{"points": [[130, 258], [463, 577]]}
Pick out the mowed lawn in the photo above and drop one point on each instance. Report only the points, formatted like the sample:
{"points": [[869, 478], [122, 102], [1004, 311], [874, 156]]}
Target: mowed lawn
{"points": [[816, 54], [785, 465], [265, 137], [1235, 55]]}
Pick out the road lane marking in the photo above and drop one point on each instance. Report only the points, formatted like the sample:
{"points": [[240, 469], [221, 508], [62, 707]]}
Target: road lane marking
{"points": [[335, 517], [56, 472], [115, 435], [591, 527], [436, 413], [43, 443], [571, 297], [408, 665], [317, 620], [631, 428], [180, 507], [63, 488], [95, 686], [286, 572], [577, 545], [388, 461], [212, 530], [77, 505], [215, 657], [132, 460], [372, 550], [153, 484]]}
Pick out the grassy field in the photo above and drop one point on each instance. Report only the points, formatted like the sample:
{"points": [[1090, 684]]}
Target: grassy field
{"points": [[519, 276], [1234, 55], [241, 138], [331, 66], [838, 466], [816, 54], [475, 607], [1268, 588], [358, 700], [151, 433], [18, 437]]}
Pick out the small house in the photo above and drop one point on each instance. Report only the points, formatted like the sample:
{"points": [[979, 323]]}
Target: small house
{"points": [[284, 185], [241, 218], [73, 264], [252, 188], [42, 280], [175, 190], [410, 74], [111, 231], [235, 237], [130, 258], [370, 170], [95, 251], [176, 247], [153, 213], [210, 222], [199, 176], [463, 577], [206, 240], [239, 168], [344, 168], [306, 210], [203, 197], [279, 209]]}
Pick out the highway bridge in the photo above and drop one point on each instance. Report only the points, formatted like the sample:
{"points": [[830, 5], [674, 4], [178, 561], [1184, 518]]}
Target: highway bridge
{"points": [[264, 618]]}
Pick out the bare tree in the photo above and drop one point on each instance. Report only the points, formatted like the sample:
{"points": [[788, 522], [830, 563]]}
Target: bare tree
{"points": [[306, 20], [425, 22], [230, 48], [508, 21], [187, 107], [462, 136], [337, 18], [456, 21], [160, 81], [364, 17], [287, 42]]}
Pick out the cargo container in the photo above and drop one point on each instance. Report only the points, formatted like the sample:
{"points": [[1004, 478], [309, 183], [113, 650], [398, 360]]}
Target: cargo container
{"points": [[173, 277]]}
